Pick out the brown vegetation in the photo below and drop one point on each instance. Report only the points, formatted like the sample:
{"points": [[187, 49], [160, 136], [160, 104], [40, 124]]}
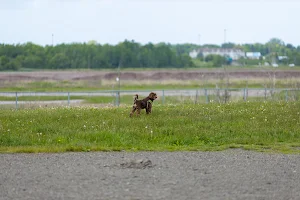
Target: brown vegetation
{"points": [[145, 75]]}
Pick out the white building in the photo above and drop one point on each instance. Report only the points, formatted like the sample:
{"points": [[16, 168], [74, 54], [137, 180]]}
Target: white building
{"points": [[253, 55], [235, 54], [283, 57], [193, 54]]}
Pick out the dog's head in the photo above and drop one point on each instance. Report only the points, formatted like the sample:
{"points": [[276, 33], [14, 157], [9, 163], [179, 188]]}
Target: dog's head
{"points": [[152, 96]]}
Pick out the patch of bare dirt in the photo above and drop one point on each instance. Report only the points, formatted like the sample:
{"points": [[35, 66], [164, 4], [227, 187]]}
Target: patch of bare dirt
{"points": [[146, 75]]}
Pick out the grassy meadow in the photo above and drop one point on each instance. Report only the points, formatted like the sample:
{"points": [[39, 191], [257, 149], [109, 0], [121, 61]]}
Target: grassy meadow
{"points": [[262, 126]]}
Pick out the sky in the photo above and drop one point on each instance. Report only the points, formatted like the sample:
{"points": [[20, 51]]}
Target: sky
{"points": [[47, 22]]}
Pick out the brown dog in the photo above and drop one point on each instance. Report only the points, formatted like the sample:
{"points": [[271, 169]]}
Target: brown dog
{"points": [[145, 103]]}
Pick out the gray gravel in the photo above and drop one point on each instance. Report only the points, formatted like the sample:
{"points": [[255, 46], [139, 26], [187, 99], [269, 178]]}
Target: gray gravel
{"points": [[231, 174]]}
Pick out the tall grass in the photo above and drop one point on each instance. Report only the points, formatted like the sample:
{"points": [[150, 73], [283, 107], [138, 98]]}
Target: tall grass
{"points": [[264, 126]]}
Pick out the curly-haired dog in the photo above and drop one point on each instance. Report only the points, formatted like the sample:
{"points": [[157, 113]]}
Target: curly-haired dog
{"points": [[145, 103]]}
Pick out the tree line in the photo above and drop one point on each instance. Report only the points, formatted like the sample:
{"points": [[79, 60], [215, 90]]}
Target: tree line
{"points": [[91, 55], [130, 54]]}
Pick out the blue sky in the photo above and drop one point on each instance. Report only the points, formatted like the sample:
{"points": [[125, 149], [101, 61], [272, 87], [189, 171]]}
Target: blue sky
{"points": [[172, 21]]}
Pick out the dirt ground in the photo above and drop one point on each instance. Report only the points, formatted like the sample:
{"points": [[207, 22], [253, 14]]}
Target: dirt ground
{"points": [[232, 174], [148, 75]]}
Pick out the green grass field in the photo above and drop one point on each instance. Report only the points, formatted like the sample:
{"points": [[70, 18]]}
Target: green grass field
{"points": [[262, 126]]}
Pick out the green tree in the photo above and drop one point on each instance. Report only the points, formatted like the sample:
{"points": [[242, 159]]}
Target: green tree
{"points": [[32, 61], [13, 64], [216, 60], [3, 62], [59, 61], [228, 45]]}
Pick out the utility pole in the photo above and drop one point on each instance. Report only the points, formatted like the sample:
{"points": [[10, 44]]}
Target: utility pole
{"points": [[52, 39], [224, 36]]}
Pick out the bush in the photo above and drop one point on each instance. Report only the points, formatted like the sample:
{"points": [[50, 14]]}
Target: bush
{"points": [[217, 60]]}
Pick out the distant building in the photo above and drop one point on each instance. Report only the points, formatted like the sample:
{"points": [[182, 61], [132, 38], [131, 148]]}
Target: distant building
{"points": [[283, 57], [253, 55], [235, 54], [194, 53]]}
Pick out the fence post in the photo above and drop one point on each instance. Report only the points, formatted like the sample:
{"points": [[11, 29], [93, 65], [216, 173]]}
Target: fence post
{"points": [[118, 98], [245, 98], [163, 97], [17, 100], [196, 98], [116, 101], [69, 99], [205, 92], [265, 94], [286, 96]]}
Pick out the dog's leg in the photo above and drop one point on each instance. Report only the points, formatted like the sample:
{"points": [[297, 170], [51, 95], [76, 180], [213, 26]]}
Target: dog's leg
{"points": [[138, 112], [134, 107], [132, 111], [148, 109]]}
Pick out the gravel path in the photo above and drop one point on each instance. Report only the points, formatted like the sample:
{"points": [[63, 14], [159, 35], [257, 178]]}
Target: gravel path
{"points": [[231, 174]]}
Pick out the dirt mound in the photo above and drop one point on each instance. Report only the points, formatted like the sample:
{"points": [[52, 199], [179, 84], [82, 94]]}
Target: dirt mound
{"points": [[137, 164]]}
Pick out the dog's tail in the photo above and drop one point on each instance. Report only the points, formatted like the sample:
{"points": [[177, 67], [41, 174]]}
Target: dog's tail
{"points": [[135, 98]]}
